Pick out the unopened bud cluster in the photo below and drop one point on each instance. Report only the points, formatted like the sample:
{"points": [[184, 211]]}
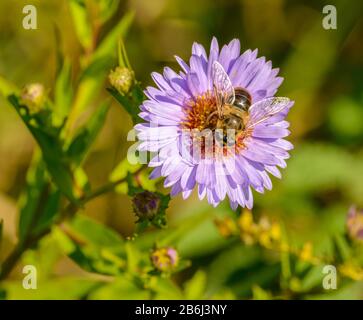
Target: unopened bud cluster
{"points": [[165, 259], [264, 232], [122, 79], [146, 205]]}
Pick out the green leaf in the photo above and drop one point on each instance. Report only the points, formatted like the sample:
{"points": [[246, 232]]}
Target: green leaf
{"points": [[36, 181], [120, 289], [260, 294], [95, 232], [39, 204], [48, 138], [164, 289], [344, 251], [63, 91], [329, 168], [200, 239], [159, 220], [92, 78], [131, 108], [350, 291], [121, 171], [98, 68], [133, 256], [107, 8], [109, 44], [91, 81], [50, 211], [138, 96], [243, 281], [228, 262], [65, 288], [81, 22], [91, 245], [44, 257], [87, 135], [195, 287], [312, 279], [81, 180]]}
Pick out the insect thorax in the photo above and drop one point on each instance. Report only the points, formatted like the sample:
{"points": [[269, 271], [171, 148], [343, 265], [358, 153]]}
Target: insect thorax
{"points": [[232, 118], [243, 99]]}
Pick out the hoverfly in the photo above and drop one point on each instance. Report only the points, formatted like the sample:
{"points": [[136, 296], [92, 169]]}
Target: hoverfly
{"points": [[234, 106]]}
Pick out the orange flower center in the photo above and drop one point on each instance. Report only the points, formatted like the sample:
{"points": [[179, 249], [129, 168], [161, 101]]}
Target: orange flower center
{"points": [[197, 112], [198, 118]]}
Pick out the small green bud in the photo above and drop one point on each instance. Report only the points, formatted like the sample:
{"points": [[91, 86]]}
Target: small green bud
{"points": [[165, 259], [33, 96], [355, 223], [122, 79], [146, 205]]}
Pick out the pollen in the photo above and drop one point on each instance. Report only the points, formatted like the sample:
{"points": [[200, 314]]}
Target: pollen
{"points": [[197, 112], [199, 117]]}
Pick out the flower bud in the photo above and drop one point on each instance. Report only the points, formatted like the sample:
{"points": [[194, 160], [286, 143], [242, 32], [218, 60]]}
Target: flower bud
{"points": [[165, 259], [146, 205], [33, 96], [355, 223], [122, 79]]}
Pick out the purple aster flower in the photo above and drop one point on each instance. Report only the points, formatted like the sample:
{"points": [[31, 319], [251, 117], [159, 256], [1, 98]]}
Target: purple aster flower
{"points": [[190, 115]]}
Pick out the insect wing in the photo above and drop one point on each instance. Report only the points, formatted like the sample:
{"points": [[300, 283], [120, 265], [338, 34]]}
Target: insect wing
{"points": [[223, 87], [265, 109]]}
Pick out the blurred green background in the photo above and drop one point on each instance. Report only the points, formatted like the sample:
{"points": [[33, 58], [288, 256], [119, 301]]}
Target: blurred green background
{"points": [[323, 74]]}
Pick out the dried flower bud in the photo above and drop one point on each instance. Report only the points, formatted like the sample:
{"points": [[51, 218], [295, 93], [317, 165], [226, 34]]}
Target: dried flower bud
{"points": [[165, 259], [355, 223], [122, 79], [33, 96], [146, 205]]}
